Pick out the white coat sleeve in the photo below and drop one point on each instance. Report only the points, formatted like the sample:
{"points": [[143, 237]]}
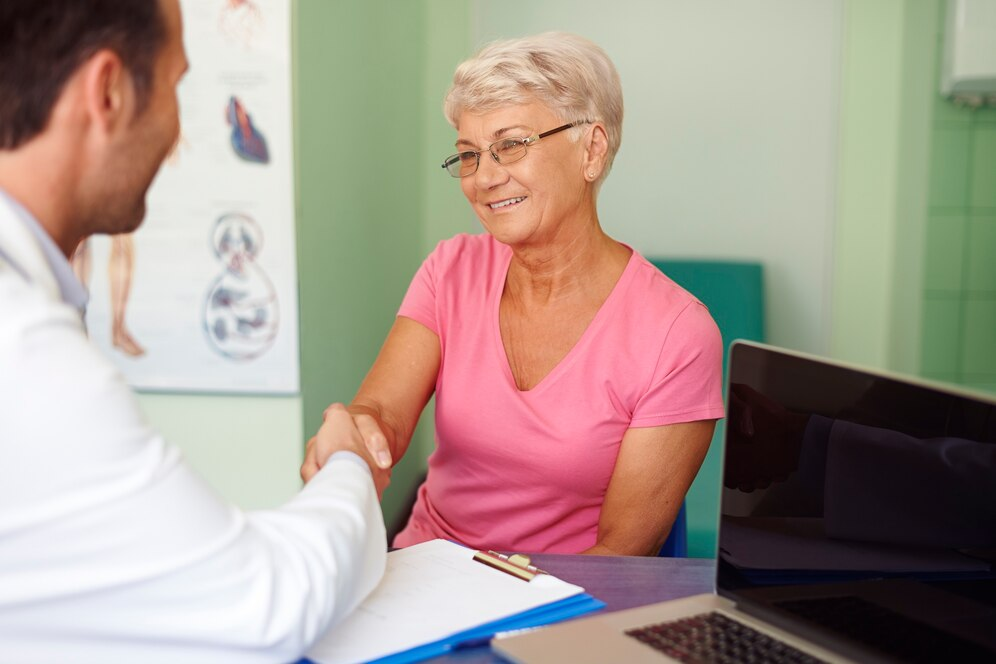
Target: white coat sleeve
{"points": [[938, 492], [113, 549]]}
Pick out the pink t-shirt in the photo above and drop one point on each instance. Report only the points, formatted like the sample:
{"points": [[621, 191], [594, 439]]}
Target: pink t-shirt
{"points": [[528, 470]]}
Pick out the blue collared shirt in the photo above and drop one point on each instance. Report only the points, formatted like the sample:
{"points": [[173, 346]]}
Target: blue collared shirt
{"points": [[72, 291]]}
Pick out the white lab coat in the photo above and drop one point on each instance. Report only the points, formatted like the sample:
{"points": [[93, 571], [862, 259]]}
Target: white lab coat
{"points": [[112, 548]]}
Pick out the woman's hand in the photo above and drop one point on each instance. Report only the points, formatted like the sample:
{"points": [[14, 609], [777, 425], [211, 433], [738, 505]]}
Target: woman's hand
{"points": [[344, 431], [379, 422]]}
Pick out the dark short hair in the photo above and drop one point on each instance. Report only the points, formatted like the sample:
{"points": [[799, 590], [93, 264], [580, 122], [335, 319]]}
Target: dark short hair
{"points": [[43, 42]]}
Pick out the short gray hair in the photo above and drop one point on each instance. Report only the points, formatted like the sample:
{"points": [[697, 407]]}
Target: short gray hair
{"points": [[571, 75]]}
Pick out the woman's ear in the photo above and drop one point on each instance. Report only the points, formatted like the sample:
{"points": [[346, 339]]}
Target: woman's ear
{"points": [[596, 152]]}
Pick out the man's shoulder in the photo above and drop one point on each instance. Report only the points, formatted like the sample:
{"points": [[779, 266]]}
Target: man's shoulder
{"points": [[29, 310], [20, 299]]}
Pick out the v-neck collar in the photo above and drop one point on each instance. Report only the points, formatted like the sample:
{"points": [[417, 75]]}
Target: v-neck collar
{"points": [[604, 312]]}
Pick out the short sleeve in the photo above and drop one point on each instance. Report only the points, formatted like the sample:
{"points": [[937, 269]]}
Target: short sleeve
{"points": [[420, 300], [687, 382]]}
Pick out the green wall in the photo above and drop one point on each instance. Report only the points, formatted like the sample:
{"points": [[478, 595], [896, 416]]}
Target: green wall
{"points": [[913, 284], [915, 279], [959, 289], [910, 290], [865, 230], [247, 447], [448, 43], [368, 76]]}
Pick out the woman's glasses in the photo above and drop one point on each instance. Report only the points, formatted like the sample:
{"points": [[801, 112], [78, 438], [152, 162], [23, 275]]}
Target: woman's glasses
{"points": [[503, 151]]}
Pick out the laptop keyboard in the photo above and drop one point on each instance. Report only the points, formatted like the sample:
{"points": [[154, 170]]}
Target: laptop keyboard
{"points": [[713, 637], [885, 630]]}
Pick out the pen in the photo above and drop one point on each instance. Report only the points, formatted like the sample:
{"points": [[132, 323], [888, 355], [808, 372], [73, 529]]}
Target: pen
{"points": [[516, 564], [519, 560]]}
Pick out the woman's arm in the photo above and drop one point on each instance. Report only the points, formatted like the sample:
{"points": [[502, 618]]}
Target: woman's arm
{"points": [[653, 471], [390, 400]]}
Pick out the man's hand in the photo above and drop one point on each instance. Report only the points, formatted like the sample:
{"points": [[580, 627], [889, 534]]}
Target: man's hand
{"points": [[343, 431]]}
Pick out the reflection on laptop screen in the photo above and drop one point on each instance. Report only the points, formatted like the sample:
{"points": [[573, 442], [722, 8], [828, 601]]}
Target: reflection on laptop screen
{"points": [[859, 506]]}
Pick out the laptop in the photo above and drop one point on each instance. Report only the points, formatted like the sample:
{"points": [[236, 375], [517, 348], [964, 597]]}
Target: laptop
{"points": [[857, 524]]}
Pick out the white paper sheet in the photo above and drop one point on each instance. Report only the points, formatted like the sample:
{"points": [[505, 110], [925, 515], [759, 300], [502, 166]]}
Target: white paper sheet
{"points": [[430, 591]]}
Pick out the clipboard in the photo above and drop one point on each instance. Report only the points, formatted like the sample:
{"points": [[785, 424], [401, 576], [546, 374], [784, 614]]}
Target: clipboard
{"points": [[516, 564], [460, 597]]}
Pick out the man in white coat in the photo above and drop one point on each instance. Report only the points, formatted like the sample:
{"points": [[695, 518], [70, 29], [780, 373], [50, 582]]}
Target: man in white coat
{"points": [[111, 548]]}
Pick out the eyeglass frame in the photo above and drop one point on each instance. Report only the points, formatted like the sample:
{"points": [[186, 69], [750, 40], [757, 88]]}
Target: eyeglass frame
{"points": [[526, 142]]}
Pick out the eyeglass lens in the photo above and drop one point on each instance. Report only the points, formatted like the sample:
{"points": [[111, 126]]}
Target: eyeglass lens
{"points": [[504, 151]]}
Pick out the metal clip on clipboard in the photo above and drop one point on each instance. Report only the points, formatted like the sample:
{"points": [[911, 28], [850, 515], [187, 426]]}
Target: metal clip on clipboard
{"points": [[516, 564]]}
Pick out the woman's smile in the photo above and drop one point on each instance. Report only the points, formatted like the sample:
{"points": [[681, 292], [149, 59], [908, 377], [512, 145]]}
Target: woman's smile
{"points": [[506, 203]]}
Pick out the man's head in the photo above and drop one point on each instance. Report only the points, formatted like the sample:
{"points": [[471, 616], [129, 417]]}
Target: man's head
{"points": [[43, 42], [91, 87]]}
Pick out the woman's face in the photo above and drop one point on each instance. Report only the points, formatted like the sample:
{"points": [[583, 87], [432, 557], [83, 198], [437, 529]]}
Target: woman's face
{"points": [[530, 201]]}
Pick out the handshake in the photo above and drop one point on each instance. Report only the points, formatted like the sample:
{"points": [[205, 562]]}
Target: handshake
{"points": [[764, 440], [346, 431]]}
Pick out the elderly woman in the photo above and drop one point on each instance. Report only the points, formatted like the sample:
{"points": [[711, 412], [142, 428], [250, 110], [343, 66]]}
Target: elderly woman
{"points": [[576, 386]]}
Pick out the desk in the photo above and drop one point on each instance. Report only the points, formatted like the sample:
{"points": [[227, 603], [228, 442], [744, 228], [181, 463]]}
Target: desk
{"points": [[622, 582]]}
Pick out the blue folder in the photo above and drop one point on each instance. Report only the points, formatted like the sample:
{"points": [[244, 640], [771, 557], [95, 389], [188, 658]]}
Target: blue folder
{"points": [[480, 636]]}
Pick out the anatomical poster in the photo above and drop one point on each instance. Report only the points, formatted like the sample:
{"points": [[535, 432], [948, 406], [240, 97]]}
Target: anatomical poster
{"points": [[203, 296]]}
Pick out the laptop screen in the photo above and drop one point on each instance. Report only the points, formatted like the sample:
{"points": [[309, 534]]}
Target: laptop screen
{"points": [[853, 500]]}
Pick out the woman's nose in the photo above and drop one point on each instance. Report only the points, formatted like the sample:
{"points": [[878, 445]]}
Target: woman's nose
{"points": [[490, 172]]}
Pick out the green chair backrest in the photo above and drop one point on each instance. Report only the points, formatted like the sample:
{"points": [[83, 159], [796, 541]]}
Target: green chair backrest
{"points": [[734, 293]]}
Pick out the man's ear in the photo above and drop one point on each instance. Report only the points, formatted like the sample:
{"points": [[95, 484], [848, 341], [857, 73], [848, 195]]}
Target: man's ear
{"points": [[108, 91]]}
